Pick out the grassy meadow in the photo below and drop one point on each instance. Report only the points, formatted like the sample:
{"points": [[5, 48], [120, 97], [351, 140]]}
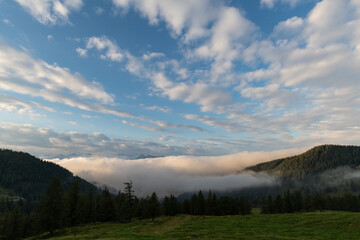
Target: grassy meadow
{"points": [[315, 225]]}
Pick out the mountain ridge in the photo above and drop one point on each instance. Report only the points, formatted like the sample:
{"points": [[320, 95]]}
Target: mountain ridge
{"points": [[314, 161], [28, 176]]}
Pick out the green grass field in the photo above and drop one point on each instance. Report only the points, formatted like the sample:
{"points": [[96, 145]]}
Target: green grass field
{"points": [[327, 225]]}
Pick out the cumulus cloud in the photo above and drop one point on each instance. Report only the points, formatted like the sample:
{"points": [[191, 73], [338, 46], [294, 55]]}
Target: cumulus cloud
{"points": [[229, 34], [190, 20], [175, 174], [112, 51], [51, 11], [152, 55], [191, 17], [204, 95], [82, 52]]}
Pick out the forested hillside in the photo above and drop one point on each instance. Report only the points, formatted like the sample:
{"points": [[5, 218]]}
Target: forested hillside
{"points": [[314, 161], [27, 176]]}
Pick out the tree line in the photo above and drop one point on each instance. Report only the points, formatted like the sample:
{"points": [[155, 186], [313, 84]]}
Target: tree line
{"points": [[58, 208], [291, 202]]}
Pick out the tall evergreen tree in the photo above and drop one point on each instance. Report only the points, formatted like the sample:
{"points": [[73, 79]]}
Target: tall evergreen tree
{"points": [[200, 204], [107, 206], [73, 204], [51, 207], [90, 208], [154, 206], [129, 199]]}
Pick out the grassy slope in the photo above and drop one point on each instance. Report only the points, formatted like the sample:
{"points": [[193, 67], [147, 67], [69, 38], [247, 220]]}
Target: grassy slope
{"points": [[328, 225]]}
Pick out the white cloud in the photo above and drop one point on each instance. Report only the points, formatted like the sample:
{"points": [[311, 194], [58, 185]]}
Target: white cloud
{"points": [[200, 93], [82, 52], [8, 22], [191, 17], [190, 20], [157, 108], [50, 37], [112, 51], [89, 116], [152, 55], [99, 10], [51, 11], [145, 127], [21, 69], [288, 28], [229, 34], [271, 3], [11, 104]]}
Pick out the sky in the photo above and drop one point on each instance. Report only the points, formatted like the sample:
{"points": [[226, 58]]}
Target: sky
{"points": [[114, 79]]}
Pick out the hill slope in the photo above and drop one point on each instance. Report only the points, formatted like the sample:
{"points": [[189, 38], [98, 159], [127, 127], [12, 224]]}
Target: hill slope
{"points": [[312, 162], [28, 176]]}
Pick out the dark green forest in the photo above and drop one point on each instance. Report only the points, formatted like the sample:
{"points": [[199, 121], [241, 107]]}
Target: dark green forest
{"points": [[26, 176], [58, 209], [312, 162]]}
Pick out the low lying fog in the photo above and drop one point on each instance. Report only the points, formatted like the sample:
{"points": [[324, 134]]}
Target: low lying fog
{"points": [[176, 174]]}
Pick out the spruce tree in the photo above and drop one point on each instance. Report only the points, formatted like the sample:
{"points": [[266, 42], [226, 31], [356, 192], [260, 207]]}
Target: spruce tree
{"points": [[129, 199], [154, 206], [51, 207], [72, 204], [107, 206]]}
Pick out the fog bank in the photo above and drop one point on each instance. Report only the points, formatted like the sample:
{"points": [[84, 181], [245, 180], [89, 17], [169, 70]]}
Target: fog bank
{"points": [[175, 174]]}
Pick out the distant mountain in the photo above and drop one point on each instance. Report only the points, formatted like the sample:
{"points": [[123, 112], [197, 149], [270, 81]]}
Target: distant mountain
{"points": [[142, 156], [315, 161], [27, 176]]}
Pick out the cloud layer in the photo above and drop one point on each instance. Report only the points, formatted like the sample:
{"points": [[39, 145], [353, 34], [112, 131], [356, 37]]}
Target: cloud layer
{"points": [[175, 174]]}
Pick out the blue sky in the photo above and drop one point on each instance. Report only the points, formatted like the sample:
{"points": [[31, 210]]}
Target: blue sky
{"points": [[120, 78]]}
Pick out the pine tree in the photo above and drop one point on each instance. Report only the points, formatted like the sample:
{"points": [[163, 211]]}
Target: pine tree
{"points": [[287, 206], [154, 206], [89, 209], [121, 207], [73, 204], [107, 206], [200, 204], [129, 199], [14, 224], [51, 207]]}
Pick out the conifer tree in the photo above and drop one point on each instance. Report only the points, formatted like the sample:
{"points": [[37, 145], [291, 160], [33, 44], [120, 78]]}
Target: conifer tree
{"points": [[51, 207], [73, 204], [129, 199], [200, 204], [107, 206], [154, 206]]}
